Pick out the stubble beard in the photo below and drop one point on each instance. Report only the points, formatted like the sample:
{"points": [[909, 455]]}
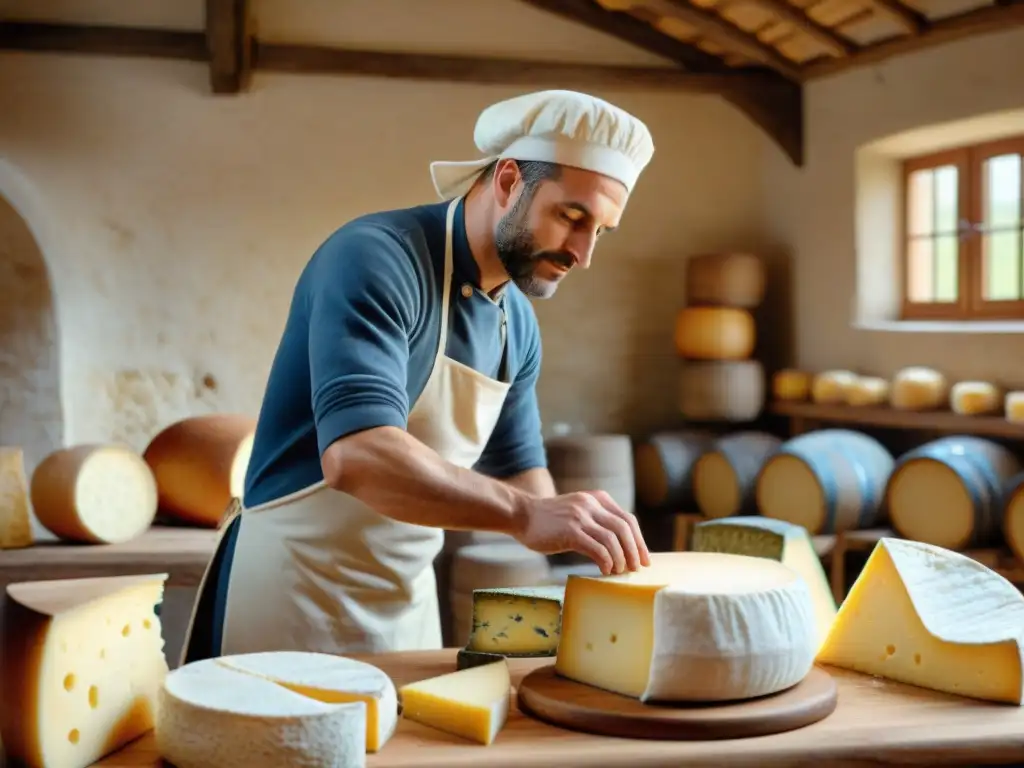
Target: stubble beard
{"points": [[518, 252]]}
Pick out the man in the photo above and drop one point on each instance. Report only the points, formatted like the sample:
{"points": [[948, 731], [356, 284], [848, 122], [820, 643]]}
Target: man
{"points": [[402, 400]]}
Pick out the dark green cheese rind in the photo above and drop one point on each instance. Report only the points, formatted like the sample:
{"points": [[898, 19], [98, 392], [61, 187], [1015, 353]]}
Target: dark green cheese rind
{"points": [[468, 658]]}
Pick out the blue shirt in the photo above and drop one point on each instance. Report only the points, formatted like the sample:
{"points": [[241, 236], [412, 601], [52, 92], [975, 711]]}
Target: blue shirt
{"points": [[360, 342]]}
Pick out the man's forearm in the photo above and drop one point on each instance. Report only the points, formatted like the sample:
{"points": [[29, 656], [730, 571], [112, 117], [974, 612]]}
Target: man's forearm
{"points": [[401, 478], [536, 482]]}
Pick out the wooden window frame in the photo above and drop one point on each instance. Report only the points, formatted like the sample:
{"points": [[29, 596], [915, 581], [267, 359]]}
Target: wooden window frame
{"points": [[969, 162]]}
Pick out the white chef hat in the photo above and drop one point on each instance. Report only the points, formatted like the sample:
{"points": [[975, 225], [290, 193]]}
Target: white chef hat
{"points": [[563, 127]]}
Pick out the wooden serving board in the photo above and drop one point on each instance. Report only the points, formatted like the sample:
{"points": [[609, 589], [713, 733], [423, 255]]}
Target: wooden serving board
{"points": [[579, 707]]}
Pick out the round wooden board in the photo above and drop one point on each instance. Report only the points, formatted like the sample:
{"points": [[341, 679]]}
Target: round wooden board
{"points": [[578, 707]]}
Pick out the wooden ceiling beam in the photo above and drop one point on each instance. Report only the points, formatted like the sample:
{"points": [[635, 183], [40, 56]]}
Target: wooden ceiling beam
{"points": [[829, 39], [229, 44], [103, 40], [912, 21]]}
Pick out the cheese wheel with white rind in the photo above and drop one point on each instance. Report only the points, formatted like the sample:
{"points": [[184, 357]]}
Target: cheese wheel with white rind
{"points": [[200, 464], [715, 333], [975, 398], [789, 385], [918, 388], [867, 391], [95, 494], [724, 478], [15, 519], [829, 387]]}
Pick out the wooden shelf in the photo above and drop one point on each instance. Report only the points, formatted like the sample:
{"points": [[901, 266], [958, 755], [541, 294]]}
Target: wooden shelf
{"points": [[937, 421]]}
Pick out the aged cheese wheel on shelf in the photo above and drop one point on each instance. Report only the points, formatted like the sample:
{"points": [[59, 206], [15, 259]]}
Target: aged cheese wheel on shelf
{"points": [[926, 616], [725, 476], [693, 626], [919, 389], [732, 391], [975, 398], [200, 464], [82, 665], [829, 387], [95, 494], [828, 481], [790, 385], [15, 520], [1013, 515], [593, 463], [663, 465], [1014, 407], [726, 279], [867, 391], [715, 333], [948, 492]]}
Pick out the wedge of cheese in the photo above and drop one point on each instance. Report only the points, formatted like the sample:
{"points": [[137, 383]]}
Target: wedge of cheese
{"points": [[776, 540], [517, 620], [83, 663], [933, 618], [692, 626], [212, 716], [472, 703], [15, 521], [332, 680]]}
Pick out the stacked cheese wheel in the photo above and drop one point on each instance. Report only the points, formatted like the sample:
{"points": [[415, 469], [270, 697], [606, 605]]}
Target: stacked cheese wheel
{"points": [[715, 335]]}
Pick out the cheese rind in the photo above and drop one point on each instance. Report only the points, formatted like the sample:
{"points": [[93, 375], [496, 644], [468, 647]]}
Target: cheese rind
{"points": [[523, 620], [466, 659], [329, 679], [15, 520], [934, 618], [213, 716], [82, 666], [472, 703], [692, 626]]}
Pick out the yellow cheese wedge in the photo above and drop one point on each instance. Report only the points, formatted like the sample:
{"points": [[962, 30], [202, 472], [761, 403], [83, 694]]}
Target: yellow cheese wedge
{"points": [[472, 703], [930, 617]]}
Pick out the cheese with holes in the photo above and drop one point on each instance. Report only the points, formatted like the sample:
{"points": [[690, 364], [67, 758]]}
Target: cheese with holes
{"points": [[934, 618], [96, 494], [692, 626], [829, 387], [213, 716], [330, 679], [715, 333], [82, 666], [918, 389], [789, 384], [15, 521], [776, 540], [867, 390], [1014, 407], [524, 620], [975, 398], [472, 703]]}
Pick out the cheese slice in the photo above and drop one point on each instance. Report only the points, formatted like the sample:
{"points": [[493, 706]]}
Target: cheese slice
{"points": [[777, 540], [83, 663], [330, 679], [15, 521], [510, 620], [692, 626], [212, 716], [934, 618], [472, 703]]}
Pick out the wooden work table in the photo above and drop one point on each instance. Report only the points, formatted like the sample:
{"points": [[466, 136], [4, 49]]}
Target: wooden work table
{"points": [[875, 723]]}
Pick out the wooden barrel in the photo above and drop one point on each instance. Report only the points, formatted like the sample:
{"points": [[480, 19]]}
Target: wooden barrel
{"points": [[828, 481], [593, 463], [949, 492], [479, 566], [725, 279], [664, 468], [724, 478], [732, 391], [1013, 515]]}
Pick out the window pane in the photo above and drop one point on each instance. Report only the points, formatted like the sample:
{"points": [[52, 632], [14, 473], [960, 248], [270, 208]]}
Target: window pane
{"points": [[920, 203], [1002, 191], [946, 194], [1002, 265], [946, 267], [920, 270]]}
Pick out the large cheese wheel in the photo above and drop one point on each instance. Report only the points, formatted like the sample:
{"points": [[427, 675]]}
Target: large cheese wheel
{"points": [[15, 520], [664, 465], [918, 389], [724, 478], [727, 279], [975, 398], [1013, 515], [732, 391], [828, 481], [97, 494], [790, 385], [593, 463], [715, 333], [867, 391], [948, 492], [829, 387], [200, 464]]}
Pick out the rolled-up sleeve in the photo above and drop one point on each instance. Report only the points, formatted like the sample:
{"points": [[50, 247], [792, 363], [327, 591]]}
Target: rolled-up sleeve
{"points": [[363, 295]]}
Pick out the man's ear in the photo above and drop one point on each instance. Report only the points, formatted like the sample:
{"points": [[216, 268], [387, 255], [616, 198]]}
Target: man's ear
{"points": [[506, 182]]}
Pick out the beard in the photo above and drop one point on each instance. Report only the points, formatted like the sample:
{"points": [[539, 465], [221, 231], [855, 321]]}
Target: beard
{"points": [[518, 253]]}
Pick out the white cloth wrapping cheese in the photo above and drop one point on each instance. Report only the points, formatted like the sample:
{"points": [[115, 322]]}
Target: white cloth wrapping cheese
{"points": [[564, 127]]}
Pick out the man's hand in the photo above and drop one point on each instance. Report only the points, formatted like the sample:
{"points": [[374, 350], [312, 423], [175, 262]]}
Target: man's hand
{"points": [[587, 522]]}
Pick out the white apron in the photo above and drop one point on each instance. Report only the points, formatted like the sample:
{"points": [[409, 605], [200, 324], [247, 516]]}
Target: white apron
{"points": [[319, 570]]}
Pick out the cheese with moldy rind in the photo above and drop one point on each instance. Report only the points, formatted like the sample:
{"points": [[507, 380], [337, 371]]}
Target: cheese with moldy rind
{"points": [[692, 626], [517, 620], [82, 666], [330, 679], [15, 521], [934, 618], [472, 703], [213, 716]]}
